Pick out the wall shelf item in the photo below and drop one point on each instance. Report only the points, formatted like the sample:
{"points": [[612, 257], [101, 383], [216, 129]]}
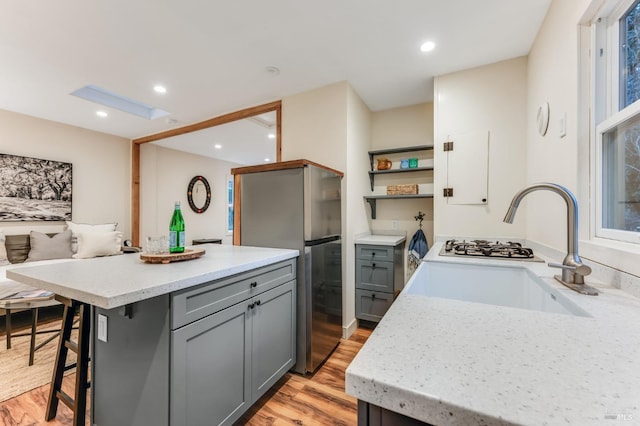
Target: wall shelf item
{"points": [[372, 199]]}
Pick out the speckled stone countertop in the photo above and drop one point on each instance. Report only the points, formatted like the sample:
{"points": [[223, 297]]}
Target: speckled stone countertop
{"points": [[113, 281], [381, 240], [450, 362]]}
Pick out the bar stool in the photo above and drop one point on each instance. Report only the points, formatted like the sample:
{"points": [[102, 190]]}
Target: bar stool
{"points": [[77, 403], [10, 305]]}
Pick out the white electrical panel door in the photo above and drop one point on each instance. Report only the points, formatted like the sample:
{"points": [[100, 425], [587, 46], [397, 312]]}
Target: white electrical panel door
{"points": [[467, 168]]}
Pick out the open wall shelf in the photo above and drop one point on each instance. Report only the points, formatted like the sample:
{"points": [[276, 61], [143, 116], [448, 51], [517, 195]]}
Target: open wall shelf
{"points": [[373, 173], [372, 199]]}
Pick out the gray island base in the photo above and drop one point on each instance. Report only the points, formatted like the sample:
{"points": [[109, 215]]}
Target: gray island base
{"points": [[199, 354]]}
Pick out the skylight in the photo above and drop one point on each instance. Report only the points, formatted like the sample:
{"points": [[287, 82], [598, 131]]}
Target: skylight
{"points": [[113, 100]]}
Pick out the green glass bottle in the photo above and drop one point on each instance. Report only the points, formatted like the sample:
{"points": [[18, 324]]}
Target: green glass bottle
{"points": [[176, 231]]}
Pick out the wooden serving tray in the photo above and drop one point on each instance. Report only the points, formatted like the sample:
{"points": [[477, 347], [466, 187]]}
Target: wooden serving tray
{"points": [[188, 254]]}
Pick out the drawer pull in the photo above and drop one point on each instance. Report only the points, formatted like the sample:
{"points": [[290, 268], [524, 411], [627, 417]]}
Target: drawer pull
{"points": [[252, 305], [257, 303], [254, 284], [373, 295], [373, 254], [373, 265]]}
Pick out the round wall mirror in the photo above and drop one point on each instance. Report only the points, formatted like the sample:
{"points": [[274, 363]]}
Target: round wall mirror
{"points": [[199, 194]]}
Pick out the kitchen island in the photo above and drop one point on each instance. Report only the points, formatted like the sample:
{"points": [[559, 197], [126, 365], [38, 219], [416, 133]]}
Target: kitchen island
{"points": [[185, 343], [442, 361]]}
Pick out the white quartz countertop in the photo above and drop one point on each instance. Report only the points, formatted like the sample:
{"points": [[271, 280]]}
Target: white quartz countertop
{"points": [[381, 240], [113, 281], [451, 362]]}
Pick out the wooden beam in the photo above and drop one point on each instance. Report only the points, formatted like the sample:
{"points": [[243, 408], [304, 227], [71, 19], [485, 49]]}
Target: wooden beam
{"points": [[223, 119], [135, 194]]}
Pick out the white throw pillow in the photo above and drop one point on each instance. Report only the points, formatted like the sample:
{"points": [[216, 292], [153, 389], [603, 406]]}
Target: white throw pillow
{"points": [[93, 244], [77, 228], [4, 260]]}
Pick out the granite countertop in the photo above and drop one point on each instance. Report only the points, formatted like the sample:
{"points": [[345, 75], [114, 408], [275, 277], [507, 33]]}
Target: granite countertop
{"points": [[381, 240], [113, 281], [450, 362]]}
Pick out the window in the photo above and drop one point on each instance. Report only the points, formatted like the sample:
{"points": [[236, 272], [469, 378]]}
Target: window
{"points": [[621, 176], [617, 114], [230, 205], [630, 55]]}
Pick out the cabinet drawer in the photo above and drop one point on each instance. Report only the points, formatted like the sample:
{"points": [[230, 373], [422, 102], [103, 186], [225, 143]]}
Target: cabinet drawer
{"points": [[372, 305], [369, 252], [374, 275], [192, 304]]}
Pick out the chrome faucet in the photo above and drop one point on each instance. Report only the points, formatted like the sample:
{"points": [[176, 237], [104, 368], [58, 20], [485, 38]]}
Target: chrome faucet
{"points": [[573, 270]]}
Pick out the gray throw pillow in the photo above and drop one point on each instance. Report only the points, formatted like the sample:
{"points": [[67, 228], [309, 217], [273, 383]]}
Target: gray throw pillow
{"points": [[44, 247]]}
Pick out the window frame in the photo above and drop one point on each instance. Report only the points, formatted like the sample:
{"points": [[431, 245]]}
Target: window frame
{"points": [[606, 109]]}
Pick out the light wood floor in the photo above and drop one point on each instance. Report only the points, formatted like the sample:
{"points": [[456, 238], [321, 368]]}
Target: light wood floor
{"points": [[317, 399]]}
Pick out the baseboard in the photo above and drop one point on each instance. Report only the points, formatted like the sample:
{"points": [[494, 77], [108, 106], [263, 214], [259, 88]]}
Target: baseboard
{"points": [[349, 329]]}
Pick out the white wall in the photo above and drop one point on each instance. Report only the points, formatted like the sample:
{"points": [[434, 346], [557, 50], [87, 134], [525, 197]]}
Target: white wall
{"points": [[101, 167], [314, 126], [356, 186], [553, 77], [331, 126], [397, 128], [164, 178], [488, 98], [559, 71]]}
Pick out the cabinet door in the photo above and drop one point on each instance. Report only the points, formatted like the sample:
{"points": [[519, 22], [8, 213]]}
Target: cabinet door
{"points": [[374, 253], [375, 276], [274, 336], [372, 305], [210, 369], [467, 168]]}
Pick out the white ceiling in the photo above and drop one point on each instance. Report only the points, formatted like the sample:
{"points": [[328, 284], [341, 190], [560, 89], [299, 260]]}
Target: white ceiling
{"points": [[212, 55], [243, 142]]}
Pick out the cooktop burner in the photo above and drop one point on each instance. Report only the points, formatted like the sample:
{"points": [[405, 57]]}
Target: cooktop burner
{"points": [[483, 248]]}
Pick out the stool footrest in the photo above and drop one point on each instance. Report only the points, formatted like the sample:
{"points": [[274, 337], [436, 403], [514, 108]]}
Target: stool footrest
{"points": [[66, 399]]}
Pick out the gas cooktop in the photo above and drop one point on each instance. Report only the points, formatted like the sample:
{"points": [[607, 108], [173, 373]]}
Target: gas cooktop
{"points": [[482, 248]]}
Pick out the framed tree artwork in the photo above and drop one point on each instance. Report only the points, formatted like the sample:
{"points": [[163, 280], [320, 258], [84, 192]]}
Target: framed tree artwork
{"points": [[32, 189]]}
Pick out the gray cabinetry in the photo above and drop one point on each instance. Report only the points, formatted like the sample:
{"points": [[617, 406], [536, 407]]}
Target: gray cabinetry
{"points": [[379, 278], [200, 356], [210, 366], [373, 415], [223, 363], [273, 337]]}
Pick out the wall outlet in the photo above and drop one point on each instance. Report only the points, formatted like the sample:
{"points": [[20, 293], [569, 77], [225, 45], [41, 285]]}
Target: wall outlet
{"points": [[395, 224], [563, 125], [102, 327]]}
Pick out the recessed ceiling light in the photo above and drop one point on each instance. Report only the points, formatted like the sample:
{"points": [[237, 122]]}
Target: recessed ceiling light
{"points": [[101, 114], [160, 89], [217, 146], [266, 159], [271, 136], [427, 46]]}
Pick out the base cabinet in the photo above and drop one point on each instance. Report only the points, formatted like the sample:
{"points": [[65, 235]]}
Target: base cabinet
{"points": [[198, 357], [379, 278], [210, 366], [373, 415], [225, 362]]}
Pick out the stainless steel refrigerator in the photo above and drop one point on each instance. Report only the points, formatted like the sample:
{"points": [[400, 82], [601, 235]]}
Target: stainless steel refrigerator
{"points": [[300, 208]]}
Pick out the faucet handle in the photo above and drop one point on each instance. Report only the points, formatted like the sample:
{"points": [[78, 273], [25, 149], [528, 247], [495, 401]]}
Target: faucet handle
{"points": [[581, 269]]}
